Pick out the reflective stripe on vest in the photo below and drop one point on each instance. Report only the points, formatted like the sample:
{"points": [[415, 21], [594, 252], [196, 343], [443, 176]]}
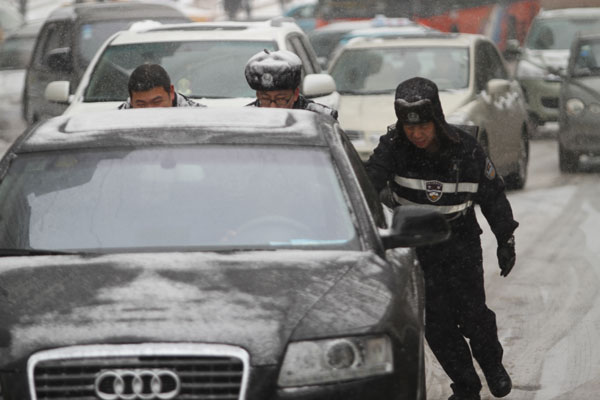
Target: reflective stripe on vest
{"points": [[441, 209], [421, 184]]}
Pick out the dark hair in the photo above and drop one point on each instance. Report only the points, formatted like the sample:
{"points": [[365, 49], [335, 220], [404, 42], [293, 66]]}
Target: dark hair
{"points": [[147, 77]]}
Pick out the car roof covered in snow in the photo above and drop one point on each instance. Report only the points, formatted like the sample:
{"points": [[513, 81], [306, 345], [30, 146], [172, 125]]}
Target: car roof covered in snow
{"points": [[178, 126]]}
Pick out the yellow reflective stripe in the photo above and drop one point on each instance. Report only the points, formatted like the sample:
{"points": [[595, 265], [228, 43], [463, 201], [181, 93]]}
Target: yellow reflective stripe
{"points": [[451, 209], [447, 187]]}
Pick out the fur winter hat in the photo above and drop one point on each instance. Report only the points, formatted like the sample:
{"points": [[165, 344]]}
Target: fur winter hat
{"points": [[276, 70], [417, 101]]}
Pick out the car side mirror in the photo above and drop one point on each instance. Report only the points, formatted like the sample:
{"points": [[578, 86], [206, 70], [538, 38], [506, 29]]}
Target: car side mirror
{"points": [[60, 60], [496, 87], [58, 91], [316, 85], [414, 226]]}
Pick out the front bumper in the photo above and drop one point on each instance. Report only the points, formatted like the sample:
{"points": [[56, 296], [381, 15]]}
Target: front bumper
{"points": [[260, 384], [580, 137], [542, 98]]}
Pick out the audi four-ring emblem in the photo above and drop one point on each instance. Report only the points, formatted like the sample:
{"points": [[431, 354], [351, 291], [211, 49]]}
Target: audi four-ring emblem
{"points": [[132, 384]]}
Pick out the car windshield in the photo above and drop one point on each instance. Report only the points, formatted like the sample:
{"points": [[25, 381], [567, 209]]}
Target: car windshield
{"points": [[15, 52], [166, 198], [195, 68], [587, 60], [558, 33], [93, 34], [378, 70]]}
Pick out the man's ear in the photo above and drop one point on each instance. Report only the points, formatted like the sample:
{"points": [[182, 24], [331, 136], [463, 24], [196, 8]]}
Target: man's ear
{"points": [[172, 93], [296, 93]]}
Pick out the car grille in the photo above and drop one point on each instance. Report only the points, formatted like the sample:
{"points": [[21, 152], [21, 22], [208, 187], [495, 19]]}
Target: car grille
{"points": [[550, 102], [207, 373]]}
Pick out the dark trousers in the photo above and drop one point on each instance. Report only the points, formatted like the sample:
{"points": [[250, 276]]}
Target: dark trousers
{"points": [[455, 309]]}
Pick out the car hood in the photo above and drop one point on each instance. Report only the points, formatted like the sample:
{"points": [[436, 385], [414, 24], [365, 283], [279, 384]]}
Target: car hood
{"points": [[548, 58], [254, 300], [589, 85], [373, 113]]}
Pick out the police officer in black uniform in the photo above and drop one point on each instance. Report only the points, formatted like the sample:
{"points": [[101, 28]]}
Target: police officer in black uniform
{"points": [[425, 161], [276, 77]]}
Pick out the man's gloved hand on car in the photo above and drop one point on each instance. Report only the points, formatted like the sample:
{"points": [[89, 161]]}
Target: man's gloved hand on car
{"points": [[506, 256]]}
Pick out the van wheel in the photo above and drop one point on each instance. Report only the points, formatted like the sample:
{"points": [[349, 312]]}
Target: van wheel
{"points": [[567, 160]]}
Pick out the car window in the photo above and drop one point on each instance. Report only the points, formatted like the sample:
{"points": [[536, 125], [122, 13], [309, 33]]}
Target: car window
{"points": [[378, 70], [586, 60], [295, 45], [93, 34], [15, 52], [496, 65], [194, 197], [488, 65], [369, 191], [196, 68], [53, 36], [558, 33]]}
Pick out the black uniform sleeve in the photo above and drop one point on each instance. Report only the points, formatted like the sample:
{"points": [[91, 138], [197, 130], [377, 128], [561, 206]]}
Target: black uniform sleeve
{"points": [[492, 198], [380, 166]]}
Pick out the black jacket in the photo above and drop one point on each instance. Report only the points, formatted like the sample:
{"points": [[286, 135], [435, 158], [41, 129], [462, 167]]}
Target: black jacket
{"points": [[451, 181], [305, 104]]}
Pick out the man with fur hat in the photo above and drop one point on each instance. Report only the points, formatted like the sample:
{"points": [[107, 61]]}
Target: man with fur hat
{"points": [[276, 77], [423, 160]]}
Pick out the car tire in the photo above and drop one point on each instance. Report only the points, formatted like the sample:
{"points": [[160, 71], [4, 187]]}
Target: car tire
{"points": [[568, 161], [516, 180]]}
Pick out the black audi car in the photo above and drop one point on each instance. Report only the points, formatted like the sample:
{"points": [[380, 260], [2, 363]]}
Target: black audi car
{"points": [[579, 104], [204, 254]]}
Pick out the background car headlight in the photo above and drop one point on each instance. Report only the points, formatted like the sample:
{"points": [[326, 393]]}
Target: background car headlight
{"points": [[331, 360], [574, 107]]}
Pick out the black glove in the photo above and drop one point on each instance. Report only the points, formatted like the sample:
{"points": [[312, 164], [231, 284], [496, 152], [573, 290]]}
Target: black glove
{"points": [[506, 256], [386, 197]]}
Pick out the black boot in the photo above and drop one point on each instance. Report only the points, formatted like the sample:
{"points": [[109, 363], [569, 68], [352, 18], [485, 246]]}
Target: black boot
{"points": [[462, 394], [498, 380]]}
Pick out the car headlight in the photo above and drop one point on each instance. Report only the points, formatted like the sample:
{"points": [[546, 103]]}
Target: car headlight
{"points": [[331, 360], [574, 107]]}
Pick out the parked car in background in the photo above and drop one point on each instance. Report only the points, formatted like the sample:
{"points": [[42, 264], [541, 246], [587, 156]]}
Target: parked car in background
{"points": [[15, 53], [579, 104], [205, 61], [69, 39], [327, 38], [545, 54], [279, 284], [303, 13], [474, 85]]}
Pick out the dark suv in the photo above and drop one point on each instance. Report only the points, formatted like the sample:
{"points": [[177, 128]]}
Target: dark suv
{"points": [[69, 39]]}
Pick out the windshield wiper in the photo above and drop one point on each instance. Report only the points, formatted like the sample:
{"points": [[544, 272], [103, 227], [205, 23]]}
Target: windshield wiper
{"points": [[33, 252], [366, 92]]}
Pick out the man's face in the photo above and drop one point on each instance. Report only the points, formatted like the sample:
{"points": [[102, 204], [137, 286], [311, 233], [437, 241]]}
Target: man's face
{"points": [[277, 98], [155, 97], [422, 135]]}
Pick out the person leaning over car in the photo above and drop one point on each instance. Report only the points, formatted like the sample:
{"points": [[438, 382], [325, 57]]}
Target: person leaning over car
{"points": [[425, 161], [150, 86], [276, 77]]}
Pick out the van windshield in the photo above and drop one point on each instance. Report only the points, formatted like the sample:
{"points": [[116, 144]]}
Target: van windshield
{"points": [[558, 33]]}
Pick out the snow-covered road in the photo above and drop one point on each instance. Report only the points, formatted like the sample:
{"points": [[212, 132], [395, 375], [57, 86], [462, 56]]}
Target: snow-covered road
{"points": [[548, 308]]}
